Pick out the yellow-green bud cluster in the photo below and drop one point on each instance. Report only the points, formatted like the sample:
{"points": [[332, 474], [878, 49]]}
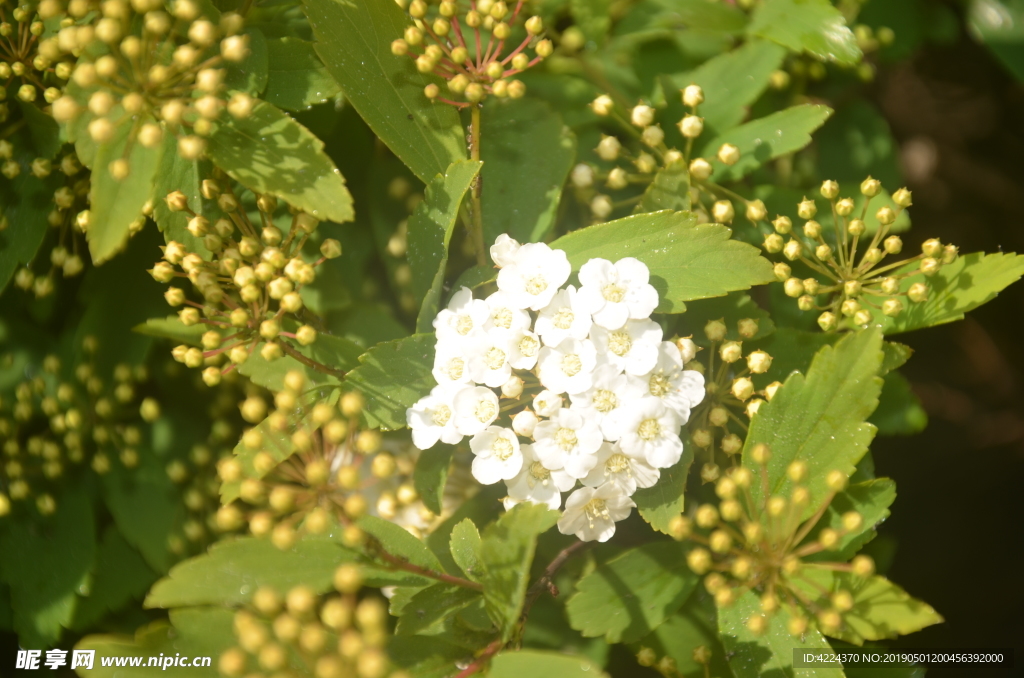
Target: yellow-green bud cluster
{"points": [[33, 68]]}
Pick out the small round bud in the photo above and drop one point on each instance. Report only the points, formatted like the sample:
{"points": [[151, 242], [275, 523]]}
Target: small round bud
{"points": [[691, 126], [782, 272], [699, 560], [642, 115], [728, 154], [756, 211], [759, 362], [823, 252], [827, 321], [608, 148], [602, 105], [731, 351], [715, 330], [892, 307], [903, 198], [870, 187], [856, 227], [794, 287], [918, 292], [829, 190], [693, 96], [844, 208], [793, 250], [706, 516], [722, 212], [863, 566], [885, 215], [700, 169]]}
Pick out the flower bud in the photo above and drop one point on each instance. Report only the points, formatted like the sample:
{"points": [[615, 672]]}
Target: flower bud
{"points": [[892, 307], [715, 330], [653, 136], [728, 154], [870, 187], [680, 527], [693, 96], [902, 197], [691, 126], [699, 560], [794, 287], [782, 271], [756, 211], [793, 250], [602, 105], [856, 227], [700, 169], [932, 247], [742, 388], [845, 207], [823, 252], [829, 189], [608, 148], [759, 362], [722, 211], [642, 115], [885, 215], [731, 351], [918, 292], [930, 266], [783, 225]]}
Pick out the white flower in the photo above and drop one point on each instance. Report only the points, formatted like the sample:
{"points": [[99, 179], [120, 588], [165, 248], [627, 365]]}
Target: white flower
{"points": [[488, 362], [476, 408], [680, 389], [568, 367], [564, 318], [451, 363], [504, 250], [524, 348], [498, 456], [547, 404], [649, 429], [568, 441], [614, 293], [431, 418], [537, 484], [633, 348], [533, 275], [627, 471], [610, 391], [591, 513], [524, 422], [463, 317], [504, 315]]}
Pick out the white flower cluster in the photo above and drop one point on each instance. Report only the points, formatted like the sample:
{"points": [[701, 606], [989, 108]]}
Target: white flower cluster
{"points": [[590, 392]]}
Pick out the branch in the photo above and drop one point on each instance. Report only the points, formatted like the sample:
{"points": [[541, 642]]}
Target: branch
{"points": [[479, 662], [402, 564]]}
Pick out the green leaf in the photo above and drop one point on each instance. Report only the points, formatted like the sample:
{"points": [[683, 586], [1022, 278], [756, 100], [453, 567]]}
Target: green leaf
{"points": [[899, 411], [429, 609], [527, 153], [508, 547], [467, 549], [771, 653], [396, 541], [812, 26], [687, 260], [431, 474], [250, 76], [959, 287], [633, 593], [192, 632], [670, 190], [664, 500], [591, 17], [177, 174], [857, 142], [269, 152], [297, 77], [113, 204], [731, 83], [695, 624], [25, 203], [542, 664], [120, 575], [171, 328], [43, 130], [767, 138], [234, 568], [820, 418], [45, 561], [427, 656], [337, 353], [871, 499], [430, 232], [392, 376], [880, 609], [730, 309], [353, 39]]}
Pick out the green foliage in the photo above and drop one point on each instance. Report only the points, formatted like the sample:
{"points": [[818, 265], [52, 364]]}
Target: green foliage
{"points": [[234, 568], [633, 593], [467, 549], [670, 190], [353, 40], [820, 418], [687, 260], [899, 410], [871, 499], [730, 309], [526, 193], [541, 665], [430, 232], [398, 542], [812, 26], [269, 152], [177, 174], [664, 500], [121, 574], [296, 78], [771, 653], [431, 474], [24, 202], [393, 376]]}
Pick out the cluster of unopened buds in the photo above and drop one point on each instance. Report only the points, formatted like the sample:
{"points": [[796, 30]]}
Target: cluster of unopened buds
{"points": [[69, 217], [303, 632], [154, 73], [847, 282], [250, 288], [51, 424], [474, 65], [582, 374], [313, 465], [776, 546], [32, 68], [655, 155], [716, 424]]}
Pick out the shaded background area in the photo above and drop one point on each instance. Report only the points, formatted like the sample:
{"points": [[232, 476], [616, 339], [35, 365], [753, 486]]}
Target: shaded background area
{"points": [[958, 115]]}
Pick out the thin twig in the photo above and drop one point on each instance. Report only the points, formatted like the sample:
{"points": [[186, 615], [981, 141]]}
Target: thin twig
{"points": [[545, 582], [479, 662], [309, 362], [402, 564]]}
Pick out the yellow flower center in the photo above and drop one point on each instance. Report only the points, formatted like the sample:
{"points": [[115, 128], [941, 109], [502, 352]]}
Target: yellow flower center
{"points": [[464, 325], [605, 401], [563, 318], [442, 414], [494, 358], [566, 438], [619, 343], [614, 293], [536, 285], [485, 411], [502, 318], [649, 429], [528, 346], [502, 448], [455, 368], [596, 510], [617, 463], [660, 384], [539, 474], [571, 364]]}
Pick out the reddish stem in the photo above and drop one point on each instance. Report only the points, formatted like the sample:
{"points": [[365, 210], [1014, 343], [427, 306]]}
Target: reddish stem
{"points": [[479, 662]]}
